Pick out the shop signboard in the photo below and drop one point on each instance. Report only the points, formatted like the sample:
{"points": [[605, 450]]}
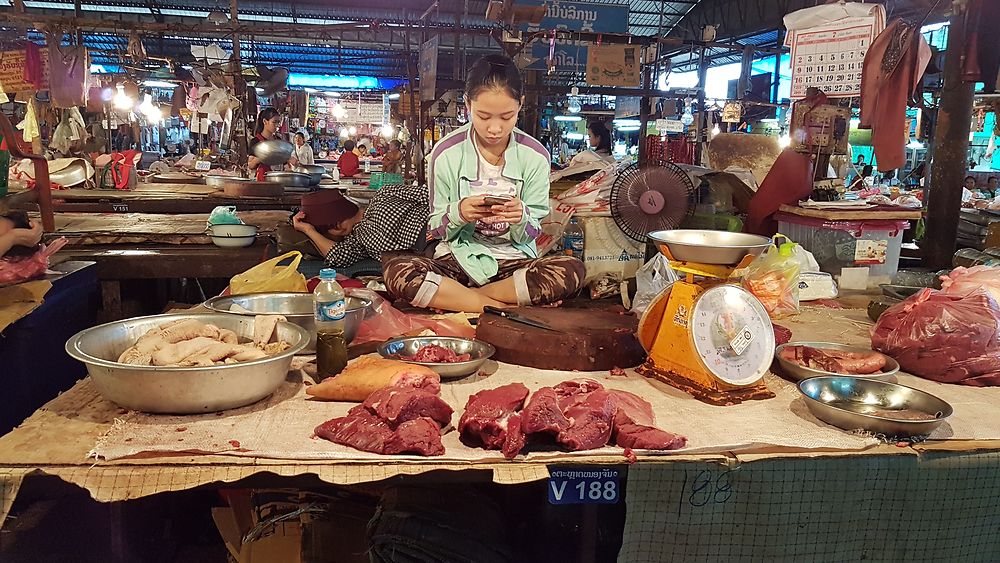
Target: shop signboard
{"points": [[428, 69], [573, 16], [12, 71], [584, 485], [613, 65]]}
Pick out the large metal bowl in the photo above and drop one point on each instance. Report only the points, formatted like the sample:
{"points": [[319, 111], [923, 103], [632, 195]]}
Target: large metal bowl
{"points": [[181, 390], [848, 403], [799, 373], [708, 247], [289, 179], [273, 152], [315, 172], [219, 181], [479, 350], [296, 307]]}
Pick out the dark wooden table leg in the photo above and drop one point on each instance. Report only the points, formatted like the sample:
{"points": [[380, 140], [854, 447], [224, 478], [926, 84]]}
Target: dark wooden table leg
{"points": [[111, 300]]}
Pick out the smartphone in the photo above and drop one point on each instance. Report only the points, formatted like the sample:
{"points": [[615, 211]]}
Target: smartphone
{"points": [[497, 199]]}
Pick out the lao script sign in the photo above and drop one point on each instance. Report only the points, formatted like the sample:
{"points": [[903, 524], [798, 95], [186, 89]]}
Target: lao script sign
{"points": [[831, 57], [574, 16]]}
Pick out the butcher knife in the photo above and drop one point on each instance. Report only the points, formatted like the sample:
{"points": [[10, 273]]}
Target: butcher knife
{"points": [[509, 315]]}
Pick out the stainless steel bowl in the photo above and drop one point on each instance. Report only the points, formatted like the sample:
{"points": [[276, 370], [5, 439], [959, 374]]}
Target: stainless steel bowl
{"points": [[289, 179], [315, 172], [217, 181], [296, 307], [851, 402], [273, 152], [181, 390], [479, 350], [798, 373], [708, 247]]}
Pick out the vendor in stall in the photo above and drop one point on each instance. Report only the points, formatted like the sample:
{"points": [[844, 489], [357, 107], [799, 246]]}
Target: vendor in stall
{"points": [[600, 140], [348, 162], [395, 220], [302, 155], [489, 185], [266, 129], [17, 231], [392, 162]]}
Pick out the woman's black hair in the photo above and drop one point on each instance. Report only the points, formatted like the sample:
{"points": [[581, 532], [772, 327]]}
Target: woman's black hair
{"points": [[601, 132], [349, 145], [301, 134], [494, 72], [264, 115]]}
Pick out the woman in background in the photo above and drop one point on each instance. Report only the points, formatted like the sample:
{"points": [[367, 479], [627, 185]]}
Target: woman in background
{"points": [[266, 129]]}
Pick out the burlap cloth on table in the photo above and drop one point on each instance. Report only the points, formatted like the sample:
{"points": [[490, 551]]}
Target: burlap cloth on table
{"points": [[282, 425]]}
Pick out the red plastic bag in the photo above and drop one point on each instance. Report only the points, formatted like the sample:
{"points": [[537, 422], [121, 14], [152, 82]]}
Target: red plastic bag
{"points": [[942, 337], [963, 281], [17, 269], [384, 321]]}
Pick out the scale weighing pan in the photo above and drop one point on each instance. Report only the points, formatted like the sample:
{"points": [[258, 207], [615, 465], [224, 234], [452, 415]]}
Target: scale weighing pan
{"points": [[708, 247]]}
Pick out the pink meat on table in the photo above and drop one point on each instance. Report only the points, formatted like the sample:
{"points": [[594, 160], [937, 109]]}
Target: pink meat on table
{"points": [[397, 405], [487, 413]]}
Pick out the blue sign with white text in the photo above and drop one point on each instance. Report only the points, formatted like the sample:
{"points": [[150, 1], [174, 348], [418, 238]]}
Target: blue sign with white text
{"points": [[574, 16], [584, 485]]}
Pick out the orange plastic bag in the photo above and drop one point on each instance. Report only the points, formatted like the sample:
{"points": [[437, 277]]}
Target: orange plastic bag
{"points": [[270, 277], [773, 278]]}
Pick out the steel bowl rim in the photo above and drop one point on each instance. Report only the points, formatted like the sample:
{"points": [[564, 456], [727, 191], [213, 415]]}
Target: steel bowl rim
{"points": [[944, 415], [211, 302], [72, 348], [890, 361], [765, 242], [490, 349]]}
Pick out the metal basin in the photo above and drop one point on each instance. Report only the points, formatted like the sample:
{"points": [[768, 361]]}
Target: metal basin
{"points": [[217, 181], [708, 247], [856, 403], [479, 350], [296, 307], [181, 390], [273, 152], [290, 179], [315, 172], [799, 373]]}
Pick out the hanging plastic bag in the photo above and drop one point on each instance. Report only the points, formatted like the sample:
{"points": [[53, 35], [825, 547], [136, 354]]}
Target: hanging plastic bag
{"points": [[651, 280], [270, 277], [773, 278], [384, 321]]}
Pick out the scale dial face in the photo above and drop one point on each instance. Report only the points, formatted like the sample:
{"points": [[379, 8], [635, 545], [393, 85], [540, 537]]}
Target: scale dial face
{"points": [[732, 334]]}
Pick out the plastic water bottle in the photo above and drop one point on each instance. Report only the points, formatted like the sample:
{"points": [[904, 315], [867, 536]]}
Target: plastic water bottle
{"points": [[330, 307], [573, 239], [335, 172], [368, 165]]}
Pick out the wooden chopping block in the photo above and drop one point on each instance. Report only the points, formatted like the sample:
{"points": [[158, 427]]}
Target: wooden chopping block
{"points": [[253, 189], [584, 339]]}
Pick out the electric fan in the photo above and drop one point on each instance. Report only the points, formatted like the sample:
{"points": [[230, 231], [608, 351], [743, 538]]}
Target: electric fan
{"points": [[654, 196]]}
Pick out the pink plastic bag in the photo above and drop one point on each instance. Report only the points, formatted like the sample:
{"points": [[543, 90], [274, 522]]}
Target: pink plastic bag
{"points": [[963, 281], [942, 337], [385, 321], [17, 269]]}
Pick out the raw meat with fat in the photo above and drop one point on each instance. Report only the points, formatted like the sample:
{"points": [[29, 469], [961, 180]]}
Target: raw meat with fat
{"points": [[396, 405], [369, 373], [365, 431], [434, 354], [487, 414]]}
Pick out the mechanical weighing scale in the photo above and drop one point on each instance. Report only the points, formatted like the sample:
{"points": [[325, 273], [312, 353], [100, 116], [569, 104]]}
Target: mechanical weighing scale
{"points": [[704, 335]]}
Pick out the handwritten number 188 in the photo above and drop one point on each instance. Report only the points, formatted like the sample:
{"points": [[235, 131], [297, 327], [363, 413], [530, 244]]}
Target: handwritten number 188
{"points": [[704, 489]]}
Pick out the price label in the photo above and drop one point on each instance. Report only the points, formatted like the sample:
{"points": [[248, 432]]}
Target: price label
{"points": [[670, 126], [584, 485], [742, 340], [203, 165]]}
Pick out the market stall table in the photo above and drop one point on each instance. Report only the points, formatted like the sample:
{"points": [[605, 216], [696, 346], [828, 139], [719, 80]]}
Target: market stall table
{"points": [[759, 481], [164, 198]]}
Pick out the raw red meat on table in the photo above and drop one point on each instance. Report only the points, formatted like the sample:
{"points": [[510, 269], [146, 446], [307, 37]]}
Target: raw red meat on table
{"points": [[365, 431], [781, 335], [543, 413], [397, 405], [647, 438], [591, 416], [835, 361], [432, 353], [486, 416]]}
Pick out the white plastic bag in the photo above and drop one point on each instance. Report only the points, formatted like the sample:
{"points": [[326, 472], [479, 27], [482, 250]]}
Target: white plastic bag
{"points": [[650, 280]]}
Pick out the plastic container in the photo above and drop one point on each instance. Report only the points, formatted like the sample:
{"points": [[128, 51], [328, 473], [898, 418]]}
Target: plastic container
{"points": [[573, 239], [331, 310], [849, 244], [380, 179]]}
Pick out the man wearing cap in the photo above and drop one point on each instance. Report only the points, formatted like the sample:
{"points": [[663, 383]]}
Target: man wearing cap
{"points": [[344, 234]]}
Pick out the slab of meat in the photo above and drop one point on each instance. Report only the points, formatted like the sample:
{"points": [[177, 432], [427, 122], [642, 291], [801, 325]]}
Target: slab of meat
{"points": [[513, 440], [647, 438], [543, 415], [396, 405], [632, 409], [487, 414], [591, 417], [432, 353], [365, 431], [369, 373], [835, 361]]}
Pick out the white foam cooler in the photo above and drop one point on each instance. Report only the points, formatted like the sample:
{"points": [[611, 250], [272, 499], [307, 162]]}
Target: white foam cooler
{"points": [[849, 244]]}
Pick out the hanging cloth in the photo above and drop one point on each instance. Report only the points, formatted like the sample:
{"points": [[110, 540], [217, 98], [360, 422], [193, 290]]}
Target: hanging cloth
{"points": [[34, 72], [69, 73], [29, 125], [982, 45]]}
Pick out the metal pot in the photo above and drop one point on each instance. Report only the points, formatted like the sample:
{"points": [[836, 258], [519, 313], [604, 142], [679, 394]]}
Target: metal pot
{"points": [[217, 181], [273, 152], [296, 307], [181, 390], [315, 173], [289, 179]]}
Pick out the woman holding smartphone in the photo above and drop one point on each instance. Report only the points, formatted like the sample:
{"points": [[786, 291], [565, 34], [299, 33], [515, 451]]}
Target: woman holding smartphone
{"points": [[489, 184]]}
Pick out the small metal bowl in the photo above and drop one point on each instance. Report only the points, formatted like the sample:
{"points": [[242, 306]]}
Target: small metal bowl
{"points": [[799, 373], [296, 307], [854, 403], [479, 350], [181, 390]]}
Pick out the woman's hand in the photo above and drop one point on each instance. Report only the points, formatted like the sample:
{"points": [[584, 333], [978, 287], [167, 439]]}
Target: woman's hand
{"points": [[474, 208], [30, 236], [253, 162], [511, 212], [301, 225]]}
